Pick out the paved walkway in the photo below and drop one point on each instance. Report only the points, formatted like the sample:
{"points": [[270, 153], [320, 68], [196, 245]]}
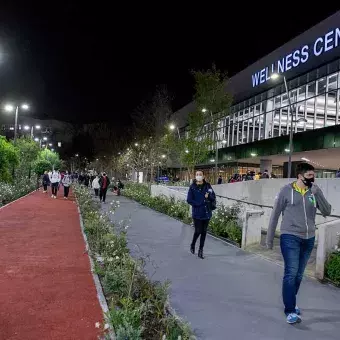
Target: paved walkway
{"points": [[231, 294], [46, 287]]}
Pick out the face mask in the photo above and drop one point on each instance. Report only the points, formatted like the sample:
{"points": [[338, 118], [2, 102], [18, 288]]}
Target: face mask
{"points": [[308, 182], [199, 178]]}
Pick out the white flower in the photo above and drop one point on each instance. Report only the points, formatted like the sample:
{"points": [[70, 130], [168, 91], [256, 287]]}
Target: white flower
{"points": [[117, 257], [126, 227], [106, 326], [97, 324]]}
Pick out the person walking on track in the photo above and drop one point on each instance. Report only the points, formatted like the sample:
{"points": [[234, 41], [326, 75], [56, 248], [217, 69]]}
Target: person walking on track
{"points": [[45, 181], [298, 202], [203, 201], [55, 180], [66, 181]]}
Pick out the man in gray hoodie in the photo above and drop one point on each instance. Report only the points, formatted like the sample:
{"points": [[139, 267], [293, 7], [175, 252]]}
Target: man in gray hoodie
{"points": [[298, 202]]}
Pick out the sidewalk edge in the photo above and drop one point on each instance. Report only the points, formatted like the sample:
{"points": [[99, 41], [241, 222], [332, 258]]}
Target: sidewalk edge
{"points": [[18, 199], [100, 293]]}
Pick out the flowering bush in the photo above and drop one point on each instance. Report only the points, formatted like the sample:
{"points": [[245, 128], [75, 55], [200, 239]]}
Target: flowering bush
{"points": [[332, 266], [137, 306], [224, 222], [11, 192]]}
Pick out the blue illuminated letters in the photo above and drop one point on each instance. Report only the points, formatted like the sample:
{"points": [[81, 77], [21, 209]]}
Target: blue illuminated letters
{"points": [[292, 60]]}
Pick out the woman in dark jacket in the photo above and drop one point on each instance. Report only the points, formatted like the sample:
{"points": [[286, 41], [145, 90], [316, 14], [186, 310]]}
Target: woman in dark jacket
{"points": [[202, 199], [45, 181]]}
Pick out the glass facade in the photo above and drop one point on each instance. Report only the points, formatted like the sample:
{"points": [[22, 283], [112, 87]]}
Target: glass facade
{"points": [[314, 96]]}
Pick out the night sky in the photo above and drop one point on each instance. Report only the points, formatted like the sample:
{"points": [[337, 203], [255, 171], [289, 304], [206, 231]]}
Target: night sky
{"points": [[90, 63]]}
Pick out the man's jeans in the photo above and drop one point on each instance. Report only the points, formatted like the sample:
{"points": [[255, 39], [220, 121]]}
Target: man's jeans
{"points": [[296, 252]]}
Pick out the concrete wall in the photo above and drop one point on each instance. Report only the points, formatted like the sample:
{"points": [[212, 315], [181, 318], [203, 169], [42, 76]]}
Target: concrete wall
{"points": [[328, 239], [263, 193], [180, 194]]}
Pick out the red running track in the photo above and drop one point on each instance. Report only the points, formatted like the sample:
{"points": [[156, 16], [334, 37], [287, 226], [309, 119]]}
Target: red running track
{"points": [[46, 286]]}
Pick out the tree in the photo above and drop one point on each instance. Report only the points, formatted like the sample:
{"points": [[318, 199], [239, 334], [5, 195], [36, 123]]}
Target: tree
{"points": [[28, 151], [212, 102], [151, 121], [51, 157], [9, 158], [40, 166]]}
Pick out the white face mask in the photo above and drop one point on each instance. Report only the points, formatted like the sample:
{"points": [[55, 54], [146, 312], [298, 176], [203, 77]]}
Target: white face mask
{"points": [[199, 178]]}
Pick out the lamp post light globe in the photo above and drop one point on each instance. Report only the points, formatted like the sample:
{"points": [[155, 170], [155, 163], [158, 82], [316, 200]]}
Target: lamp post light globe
{"points": [[45, 138], [9, 108], [274, 76], [36, 139], [26, 127], [25, 106], [172, 127], [204, 110], [38, 127]]}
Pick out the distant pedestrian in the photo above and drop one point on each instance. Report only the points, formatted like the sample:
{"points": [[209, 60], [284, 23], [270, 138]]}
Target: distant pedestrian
{"points": [[203, 201], [66, 181], [219, 181], [55, 180], [297, 202], [96, 186], [45, 181], [338, 174], [249, 176], [265, 175], [104, 183]]}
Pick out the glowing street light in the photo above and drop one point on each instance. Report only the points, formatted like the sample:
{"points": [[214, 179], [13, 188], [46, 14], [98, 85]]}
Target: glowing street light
{"points": [[36, 139], [172, 127], [45, 138], [38, 127], [26, 127], [204, 110], [10, 108], [136, 144], [163, 156], [50, 144]]}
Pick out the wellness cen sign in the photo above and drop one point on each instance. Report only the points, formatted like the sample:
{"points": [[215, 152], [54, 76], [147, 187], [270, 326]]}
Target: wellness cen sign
{"points": [[300, 56]]}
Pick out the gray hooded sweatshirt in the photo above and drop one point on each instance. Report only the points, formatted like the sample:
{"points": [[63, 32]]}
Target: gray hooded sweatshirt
{"points": [[298, 212]]}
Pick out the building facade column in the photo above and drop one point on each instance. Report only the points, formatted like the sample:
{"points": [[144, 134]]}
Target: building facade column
{"points": [[266, 164]]}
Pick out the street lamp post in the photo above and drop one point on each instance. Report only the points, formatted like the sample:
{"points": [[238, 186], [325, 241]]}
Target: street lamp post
{"points": [[276, 76], [173, 127], [10, 108]]}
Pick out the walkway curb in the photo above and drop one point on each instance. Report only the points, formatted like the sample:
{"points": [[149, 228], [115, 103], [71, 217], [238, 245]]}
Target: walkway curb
{"points": [[99, 288], [18, 199]]}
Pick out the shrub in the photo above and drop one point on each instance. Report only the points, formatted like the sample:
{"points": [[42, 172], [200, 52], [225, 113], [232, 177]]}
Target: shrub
{"points": [[332, 268], [10, 192], [224, 222], [137, 305]]}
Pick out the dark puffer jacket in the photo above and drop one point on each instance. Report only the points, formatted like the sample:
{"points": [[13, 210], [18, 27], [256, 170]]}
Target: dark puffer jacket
{"points": [[200, 204]]}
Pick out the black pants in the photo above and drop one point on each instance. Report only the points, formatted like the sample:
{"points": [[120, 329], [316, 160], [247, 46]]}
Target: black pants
{"points": [[66, 191], [45, 187], [102, 194], [201, 227], [54, 188], [96, 192]]}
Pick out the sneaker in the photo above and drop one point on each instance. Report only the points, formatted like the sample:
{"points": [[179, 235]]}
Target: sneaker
{"points": [[52, 196], [293, 318], [192, 249], [297, 310]]}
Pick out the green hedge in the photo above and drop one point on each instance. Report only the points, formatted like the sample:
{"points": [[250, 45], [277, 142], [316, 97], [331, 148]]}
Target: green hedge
{"points": [[224, 222], [332, 268], [137, 306]]}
